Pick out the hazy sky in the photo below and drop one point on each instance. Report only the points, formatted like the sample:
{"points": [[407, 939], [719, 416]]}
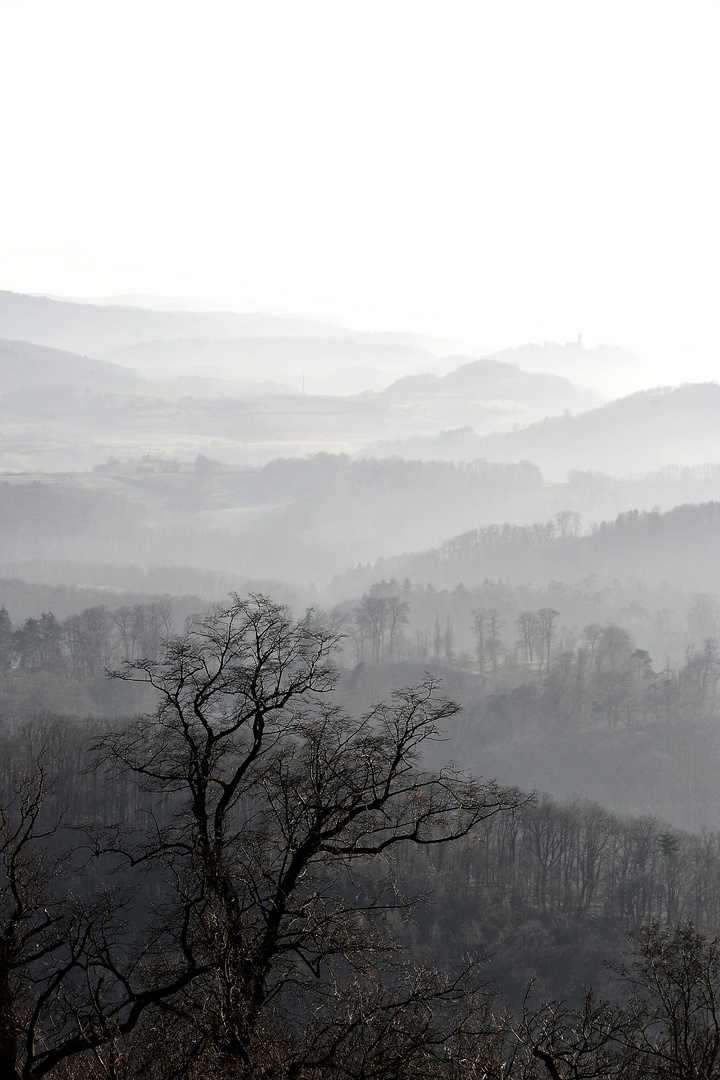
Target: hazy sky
{"points": [[530, 168]]}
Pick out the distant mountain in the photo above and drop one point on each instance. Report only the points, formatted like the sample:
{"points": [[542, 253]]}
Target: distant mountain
{"points": [[649, 429], [229, 345], [480, 394], [491, 380], [111, 410], [270, 325], [23, 364], [97, 329], [614, 370], [94, 330], [314, 362], [183, 342]]}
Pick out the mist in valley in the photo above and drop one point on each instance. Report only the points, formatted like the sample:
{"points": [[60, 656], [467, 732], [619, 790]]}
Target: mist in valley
{"points": [[359, 532], [546, 497]]}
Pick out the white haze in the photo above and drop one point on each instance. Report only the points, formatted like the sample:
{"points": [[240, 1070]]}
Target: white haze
{"points": [[265, 210], [490, 172]]}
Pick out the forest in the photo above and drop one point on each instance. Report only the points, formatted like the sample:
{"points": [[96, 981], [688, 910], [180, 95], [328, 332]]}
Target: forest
{"points": [[263, 876], [365, 733]]}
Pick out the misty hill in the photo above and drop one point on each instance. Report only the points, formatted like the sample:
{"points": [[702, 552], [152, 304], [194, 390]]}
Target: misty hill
{"points": [[23, 364], [605, 366], [296, 519], [180, 342], [92, 328], [649, 429], [493, 379], [269, 325], [643, 431], [105, 410], [307, 519], [490, 394], [680, 546], [318, 363], [229, 344]]}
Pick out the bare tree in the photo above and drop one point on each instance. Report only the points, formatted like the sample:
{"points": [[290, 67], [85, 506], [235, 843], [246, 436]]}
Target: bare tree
{"points": [[478, 629], [528, 626], [380, 619], [664, 1024], [493, 643], [672, 984], [582, 1044], [568, 523], [278, 804], [67, 970], [546, 631]]}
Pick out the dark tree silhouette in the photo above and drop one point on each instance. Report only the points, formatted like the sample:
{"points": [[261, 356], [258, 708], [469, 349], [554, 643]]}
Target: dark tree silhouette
{"points": [[277, 818]]}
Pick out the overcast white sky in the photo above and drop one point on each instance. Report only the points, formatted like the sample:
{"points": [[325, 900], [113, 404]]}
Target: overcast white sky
{"points": [[527, 168]]}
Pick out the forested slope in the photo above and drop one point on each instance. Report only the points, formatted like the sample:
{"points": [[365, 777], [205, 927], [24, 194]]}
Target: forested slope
{"points": [[648, 429], [677, 546]]}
